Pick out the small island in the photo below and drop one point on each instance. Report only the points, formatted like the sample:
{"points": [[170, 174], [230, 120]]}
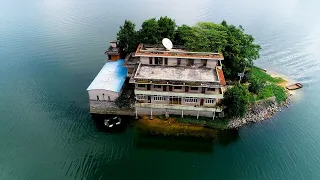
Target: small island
{"points": [[206, 81]]}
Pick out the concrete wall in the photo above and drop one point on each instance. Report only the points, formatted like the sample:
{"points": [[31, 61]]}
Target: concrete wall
{"points": [[212, 63], [172, 61], [103, 95], [158, 111], [145, 60]]}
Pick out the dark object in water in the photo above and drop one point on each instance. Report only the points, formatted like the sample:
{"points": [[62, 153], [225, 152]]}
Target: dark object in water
{"points": [[110, 122], [294, 86]]}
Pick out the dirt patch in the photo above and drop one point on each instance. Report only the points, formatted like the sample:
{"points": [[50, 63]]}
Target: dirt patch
{"points": [[171, 127]]}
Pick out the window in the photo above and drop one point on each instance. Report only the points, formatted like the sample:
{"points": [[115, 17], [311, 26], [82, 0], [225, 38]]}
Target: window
{"points": [[141, 97], [109, 99], [190, 62], [177, 87], [190, 100], [98, 98], [141, 85], [204, 62], [194, 88], [166, 61], [160, 60], [156, 61], [178, 61], [211, 89], [210, 101], [150, 60], [159, 98], [157, 86]]}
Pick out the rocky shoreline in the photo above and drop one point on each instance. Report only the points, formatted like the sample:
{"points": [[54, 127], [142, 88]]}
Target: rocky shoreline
{"points": [[258, 112]]}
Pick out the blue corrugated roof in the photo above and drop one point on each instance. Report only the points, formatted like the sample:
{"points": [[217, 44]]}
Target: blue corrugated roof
{"points": [[111, 77]]}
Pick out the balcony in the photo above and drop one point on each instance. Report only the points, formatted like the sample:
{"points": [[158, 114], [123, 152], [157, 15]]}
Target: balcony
{"points": [[180, 94], [178, 107]]}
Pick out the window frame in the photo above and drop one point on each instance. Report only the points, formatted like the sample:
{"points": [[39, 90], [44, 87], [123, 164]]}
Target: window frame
{"points": [[158, 98], [142, 86], [190, 100], [211, 101], [175, 87], [141, 97], [157, 86]]}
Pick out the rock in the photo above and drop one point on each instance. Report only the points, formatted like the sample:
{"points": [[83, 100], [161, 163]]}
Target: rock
{"points": [[260, 111]]}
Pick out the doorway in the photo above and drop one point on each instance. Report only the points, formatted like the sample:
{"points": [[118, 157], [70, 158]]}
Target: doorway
{"points": [[201, 102]]}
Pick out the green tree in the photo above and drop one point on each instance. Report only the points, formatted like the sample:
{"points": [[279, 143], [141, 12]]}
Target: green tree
{"points": [[182, 34], [127, 37], [207, 37], [236, 99], [166, 27], [239, 52], [149, 32]]}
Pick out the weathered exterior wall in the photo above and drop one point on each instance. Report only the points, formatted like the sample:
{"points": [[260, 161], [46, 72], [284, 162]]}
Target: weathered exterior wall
{"points": [[212, 63], [145, 60], [115, 57], [183, 62], [102, 94], [172, 61]]}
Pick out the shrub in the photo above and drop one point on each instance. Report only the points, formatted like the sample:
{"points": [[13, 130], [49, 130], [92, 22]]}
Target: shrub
{"points": [[237, 100], [255, 86]]}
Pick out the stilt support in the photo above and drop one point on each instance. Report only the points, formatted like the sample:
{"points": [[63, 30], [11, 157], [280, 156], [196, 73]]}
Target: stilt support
{"points": [[151, 117], [198, 115], [182, 113], [167, 114], [214, 114], [136, 113]]}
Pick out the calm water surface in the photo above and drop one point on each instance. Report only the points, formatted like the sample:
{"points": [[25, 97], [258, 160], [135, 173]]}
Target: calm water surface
{"points": [[51, 50]]}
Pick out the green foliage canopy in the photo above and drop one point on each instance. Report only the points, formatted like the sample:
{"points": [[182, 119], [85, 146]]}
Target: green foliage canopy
{"points": [[237, 47], [237, 100], [127, 37]]}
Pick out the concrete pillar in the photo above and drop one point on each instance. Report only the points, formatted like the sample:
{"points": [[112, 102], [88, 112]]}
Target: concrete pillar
{"points": [[214, 114], [182, 113], [167, 114], [151, 117], [198, 115], [136, 113]]}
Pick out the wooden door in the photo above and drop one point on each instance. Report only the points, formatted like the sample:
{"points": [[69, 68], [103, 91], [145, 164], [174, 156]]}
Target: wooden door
{"points": [[164, 88], [201, 102], [203, 90], [186, 88]]}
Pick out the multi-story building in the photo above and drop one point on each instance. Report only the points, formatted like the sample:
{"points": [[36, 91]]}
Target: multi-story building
{"points": [[176, 81]]}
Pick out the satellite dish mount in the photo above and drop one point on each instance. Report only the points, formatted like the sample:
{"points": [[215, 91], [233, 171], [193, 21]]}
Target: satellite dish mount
{"points": [[167, 43]]}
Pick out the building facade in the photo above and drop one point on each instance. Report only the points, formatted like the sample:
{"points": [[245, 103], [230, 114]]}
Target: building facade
{"points": [[176, 81]]}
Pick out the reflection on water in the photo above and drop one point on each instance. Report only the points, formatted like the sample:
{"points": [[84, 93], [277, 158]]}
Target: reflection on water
{"points": [[184, 144]]}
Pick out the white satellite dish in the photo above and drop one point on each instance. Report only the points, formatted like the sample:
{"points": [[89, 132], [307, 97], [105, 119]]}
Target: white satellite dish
{"points": [[167, 43]]}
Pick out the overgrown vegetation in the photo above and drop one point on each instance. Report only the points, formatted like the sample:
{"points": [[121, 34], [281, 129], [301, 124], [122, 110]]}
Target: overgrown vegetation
{"points": [[237, 100], [237, 47]]}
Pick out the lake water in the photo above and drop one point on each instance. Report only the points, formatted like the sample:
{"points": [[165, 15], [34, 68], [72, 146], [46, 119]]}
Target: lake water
{"points": [[50, 51]]}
